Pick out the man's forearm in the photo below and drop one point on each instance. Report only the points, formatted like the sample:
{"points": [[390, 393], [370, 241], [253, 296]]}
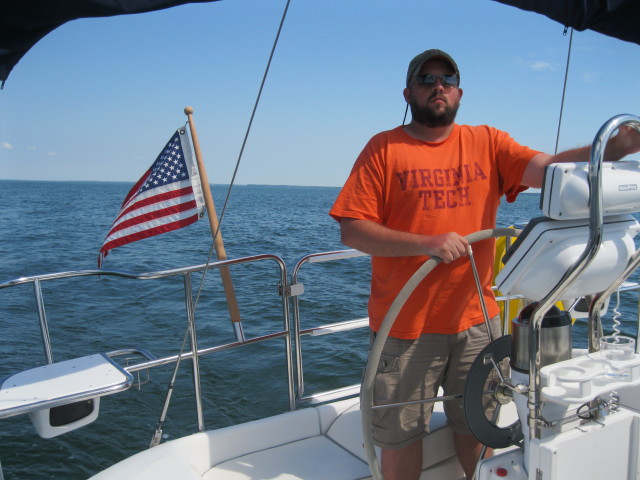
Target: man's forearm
{"points": [[626, 142], [381, 241]]}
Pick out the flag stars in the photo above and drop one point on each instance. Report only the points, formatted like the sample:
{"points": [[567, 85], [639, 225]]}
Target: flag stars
{"points": [[169, 167]]}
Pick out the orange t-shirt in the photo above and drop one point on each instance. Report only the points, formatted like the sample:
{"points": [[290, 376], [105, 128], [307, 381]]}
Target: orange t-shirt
{"points": [[433, 188]]}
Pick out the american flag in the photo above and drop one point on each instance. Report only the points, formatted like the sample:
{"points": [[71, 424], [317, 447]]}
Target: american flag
{"points": [[166, 198]]}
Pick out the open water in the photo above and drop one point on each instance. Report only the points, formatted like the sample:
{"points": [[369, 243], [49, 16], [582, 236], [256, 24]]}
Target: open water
{"points": [[59, 226]]}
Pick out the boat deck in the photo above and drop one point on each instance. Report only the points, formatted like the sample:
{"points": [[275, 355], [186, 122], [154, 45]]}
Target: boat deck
{"points": [[317, 443]]}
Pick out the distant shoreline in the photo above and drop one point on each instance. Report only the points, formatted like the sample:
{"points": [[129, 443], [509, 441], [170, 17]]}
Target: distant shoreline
{"points": [[530, 191]]}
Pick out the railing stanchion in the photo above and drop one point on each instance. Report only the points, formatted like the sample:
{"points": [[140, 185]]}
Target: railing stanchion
{"points": [[44, 326], [188, 298]]}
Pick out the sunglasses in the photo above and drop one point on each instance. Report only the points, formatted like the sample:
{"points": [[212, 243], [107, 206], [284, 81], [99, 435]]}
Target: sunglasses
{"points": [[430, 79]]}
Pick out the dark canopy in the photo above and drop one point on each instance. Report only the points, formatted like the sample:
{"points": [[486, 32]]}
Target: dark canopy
{"points": [[615, 18], [24, 22]]}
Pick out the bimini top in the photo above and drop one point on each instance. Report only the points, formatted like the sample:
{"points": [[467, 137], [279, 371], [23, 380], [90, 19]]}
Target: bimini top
{"points": [[23, 23]]}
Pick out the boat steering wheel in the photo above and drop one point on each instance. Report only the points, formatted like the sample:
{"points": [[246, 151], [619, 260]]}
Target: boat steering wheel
{"points": [[477, 374]]}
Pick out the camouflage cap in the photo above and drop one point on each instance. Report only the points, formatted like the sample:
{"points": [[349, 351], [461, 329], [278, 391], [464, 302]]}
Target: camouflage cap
{"points": [[418, 60]]}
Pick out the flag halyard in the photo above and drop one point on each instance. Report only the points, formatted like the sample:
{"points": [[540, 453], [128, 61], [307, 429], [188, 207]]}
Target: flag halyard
{"points": [[166, 198]]}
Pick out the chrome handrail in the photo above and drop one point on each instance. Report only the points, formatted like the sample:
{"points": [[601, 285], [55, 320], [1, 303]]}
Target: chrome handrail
{"points": [[591, 249], [195, 352], [144, 275], [298, 333], [295, 383]]}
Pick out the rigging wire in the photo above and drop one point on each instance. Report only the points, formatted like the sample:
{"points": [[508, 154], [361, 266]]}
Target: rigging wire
{"points": [[244, 143], [158, 433], [564, 88]]}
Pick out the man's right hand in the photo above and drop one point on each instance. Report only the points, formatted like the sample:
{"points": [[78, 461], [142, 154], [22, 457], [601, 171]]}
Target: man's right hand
{"points": [[447, 246]]}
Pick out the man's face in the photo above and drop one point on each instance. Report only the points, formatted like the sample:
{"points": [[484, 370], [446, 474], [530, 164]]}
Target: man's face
{"points": [[433, 105]]}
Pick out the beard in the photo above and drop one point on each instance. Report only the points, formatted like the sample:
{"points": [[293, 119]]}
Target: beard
{"points": [[427, 116]]}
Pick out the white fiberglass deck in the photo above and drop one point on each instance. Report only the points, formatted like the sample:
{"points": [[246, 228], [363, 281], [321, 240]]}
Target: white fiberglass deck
{"points": [[317, 443]]}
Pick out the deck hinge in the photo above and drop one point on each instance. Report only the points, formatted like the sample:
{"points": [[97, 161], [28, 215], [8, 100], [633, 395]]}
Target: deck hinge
{"points": [[292, 290]]}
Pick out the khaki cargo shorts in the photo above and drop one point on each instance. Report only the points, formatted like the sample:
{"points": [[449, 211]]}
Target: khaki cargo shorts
{"points": [[415, 369]]}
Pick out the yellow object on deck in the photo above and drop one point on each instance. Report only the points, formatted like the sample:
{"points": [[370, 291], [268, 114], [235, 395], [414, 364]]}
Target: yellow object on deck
{"points": [[512, 307], [517, 304]]}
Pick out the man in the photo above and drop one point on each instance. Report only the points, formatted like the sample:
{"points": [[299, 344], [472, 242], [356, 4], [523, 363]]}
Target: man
{"points": [[413, 193]]}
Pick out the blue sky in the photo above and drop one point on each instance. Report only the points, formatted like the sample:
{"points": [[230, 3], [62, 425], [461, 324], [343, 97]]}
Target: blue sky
{"points": [[97, 99]]}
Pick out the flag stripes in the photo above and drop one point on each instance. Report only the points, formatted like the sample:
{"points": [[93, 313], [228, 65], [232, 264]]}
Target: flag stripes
{"points": [[167, 197]]}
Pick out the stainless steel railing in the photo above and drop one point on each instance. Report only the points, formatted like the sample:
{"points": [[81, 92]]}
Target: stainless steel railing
{"points": [[291, 330], [297, 290], [195, 352], [146, 360]]}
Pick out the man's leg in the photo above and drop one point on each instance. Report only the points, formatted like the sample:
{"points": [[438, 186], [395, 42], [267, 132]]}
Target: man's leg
{"points": [[403, 463], [408, 370], [467, 346], [468, 450]]}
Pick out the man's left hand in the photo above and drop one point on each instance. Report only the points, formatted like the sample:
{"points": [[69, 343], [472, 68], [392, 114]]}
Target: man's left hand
{"points": [[626, 142]]}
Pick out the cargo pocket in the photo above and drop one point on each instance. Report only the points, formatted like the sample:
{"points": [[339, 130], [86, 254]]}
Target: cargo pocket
{"points": [[386, 381]]}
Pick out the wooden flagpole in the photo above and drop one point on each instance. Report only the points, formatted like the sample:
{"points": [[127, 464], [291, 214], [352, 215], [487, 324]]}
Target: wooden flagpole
{"points": [[229, 291]]}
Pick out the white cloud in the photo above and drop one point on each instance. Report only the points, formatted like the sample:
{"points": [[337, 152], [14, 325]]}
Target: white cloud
{"points": [[541, 66], [31, 147], [589, 77], [6, 145], [51, 154], [536, 65]]}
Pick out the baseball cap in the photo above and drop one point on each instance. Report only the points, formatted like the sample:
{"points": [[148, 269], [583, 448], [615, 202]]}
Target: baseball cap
{"points": [[418, 60]]}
